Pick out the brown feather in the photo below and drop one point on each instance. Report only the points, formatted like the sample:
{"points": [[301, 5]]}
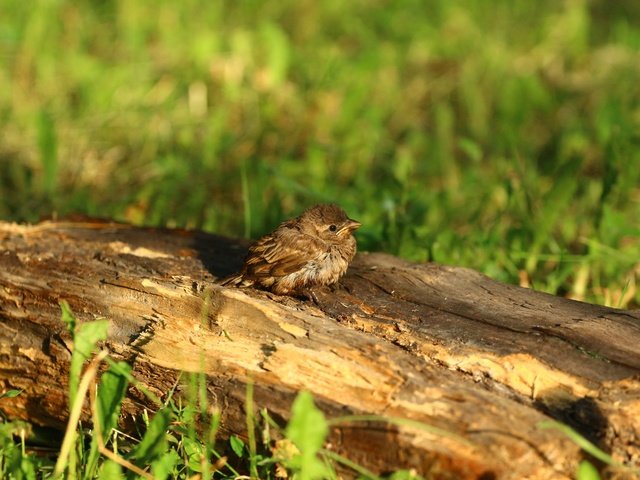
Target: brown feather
{"points": [[312, 249]]}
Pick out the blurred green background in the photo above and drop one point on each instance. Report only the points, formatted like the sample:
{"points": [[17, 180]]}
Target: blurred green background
{"points": [[502, 135]]}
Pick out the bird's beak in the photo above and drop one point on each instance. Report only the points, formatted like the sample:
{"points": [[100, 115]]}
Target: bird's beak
{"points": [[350, 226]]}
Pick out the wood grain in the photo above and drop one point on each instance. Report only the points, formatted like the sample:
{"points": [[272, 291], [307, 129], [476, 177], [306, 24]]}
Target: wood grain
{"points": [[482, 361]]}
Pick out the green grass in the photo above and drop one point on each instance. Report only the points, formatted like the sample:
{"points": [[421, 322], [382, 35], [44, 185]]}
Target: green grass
{"points": [[499, 135]]}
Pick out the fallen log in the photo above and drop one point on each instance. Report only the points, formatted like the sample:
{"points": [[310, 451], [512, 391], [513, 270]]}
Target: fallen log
{"points": [[440, 345]]}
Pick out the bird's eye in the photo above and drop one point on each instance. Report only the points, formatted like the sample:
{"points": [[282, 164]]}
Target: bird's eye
{"points": [[333, 228]]}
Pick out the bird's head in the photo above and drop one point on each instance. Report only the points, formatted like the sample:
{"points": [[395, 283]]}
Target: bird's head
{"points": [[329, 222]]}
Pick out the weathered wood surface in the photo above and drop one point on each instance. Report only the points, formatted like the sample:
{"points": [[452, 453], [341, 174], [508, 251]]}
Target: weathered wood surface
{"points": [[440, 345]]}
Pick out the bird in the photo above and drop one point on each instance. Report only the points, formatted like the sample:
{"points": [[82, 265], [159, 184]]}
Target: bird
{"points": [[310, 250]]}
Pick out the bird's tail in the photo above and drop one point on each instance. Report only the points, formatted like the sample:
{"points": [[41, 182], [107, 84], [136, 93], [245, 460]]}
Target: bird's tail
{"points": [[235, 280]]}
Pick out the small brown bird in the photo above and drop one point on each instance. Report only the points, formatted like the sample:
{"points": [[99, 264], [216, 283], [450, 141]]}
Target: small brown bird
{"points": [[310, 250]]}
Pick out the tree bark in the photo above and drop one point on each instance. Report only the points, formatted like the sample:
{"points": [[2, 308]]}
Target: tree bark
{"points": [[482, 361]]}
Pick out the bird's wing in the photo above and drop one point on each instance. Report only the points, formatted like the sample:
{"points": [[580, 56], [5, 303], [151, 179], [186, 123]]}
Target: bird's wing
{"points": [[282, 252]]}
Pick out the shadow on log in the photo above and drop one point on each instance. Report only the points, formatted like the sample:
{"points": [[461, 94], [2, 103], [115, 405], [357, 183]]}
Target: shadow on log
{"points": [[440, 345]]}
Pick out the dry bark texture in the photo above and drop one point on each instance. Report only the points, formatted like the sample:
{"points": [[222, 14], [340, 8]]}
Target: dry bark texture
{"points": [[444, 346]]}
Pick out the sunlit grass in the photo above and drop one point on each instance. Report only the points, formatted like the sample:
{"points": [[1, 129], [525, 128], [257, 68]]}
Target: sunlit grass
{"points": [[502, 137]]}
